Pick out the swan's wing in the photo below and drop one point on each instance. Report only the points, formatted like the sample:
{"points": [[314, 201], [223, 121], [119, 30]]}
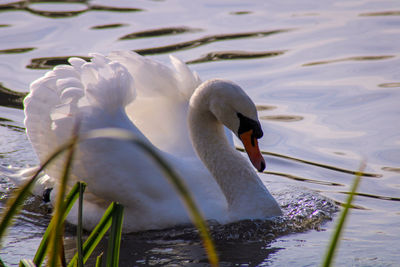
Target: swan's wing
{"points": [[160, 109], [45, 96], [55, 100], [84, 92]]}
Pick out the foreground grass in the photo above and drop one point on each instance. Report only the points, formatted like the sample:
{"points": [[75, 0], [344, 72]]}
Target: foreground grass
{"points": [[334, 242], [112, 220]]}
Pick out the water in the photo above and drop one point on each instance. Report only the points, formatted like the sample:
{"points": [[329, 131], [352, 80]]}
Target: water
{"points": [[324, 74]]}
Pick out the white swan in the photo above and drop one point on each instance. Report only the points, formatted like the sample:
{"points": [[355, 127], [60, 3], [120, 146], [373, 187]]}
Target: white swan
{"points": [[161, 106]]}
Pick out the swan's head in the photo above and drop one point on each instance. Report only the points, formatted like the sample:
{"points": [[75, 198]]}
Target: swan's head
{"points": [[234, 108]]}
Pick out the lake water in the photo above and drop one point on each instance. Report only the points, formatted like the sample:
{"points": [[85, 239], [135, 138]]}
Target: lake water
{"points": [[324, 74]]}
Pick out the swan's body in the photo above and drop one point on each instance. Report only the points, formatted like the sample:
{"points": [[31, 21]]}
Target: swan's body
{"points": [[162, 107]]}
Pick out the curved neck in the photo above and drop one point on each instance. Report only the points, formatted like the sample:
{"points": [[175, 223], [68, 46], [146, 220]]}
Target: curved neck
{"points": [[245, 193]]}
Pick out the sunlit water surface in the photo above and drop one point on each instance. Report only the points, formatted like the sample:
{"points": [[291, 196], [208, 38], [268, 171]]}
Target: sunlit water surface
{"points": [[324, 74]]}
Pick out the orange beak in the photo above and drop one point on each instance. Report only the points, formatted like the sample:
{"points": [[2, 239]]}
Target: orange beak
{"points": [[251, 146]]}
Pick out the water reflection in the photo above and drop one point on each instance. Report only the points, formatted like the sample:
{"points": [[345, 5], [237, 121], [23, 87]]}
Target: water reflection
{"points": [[50, 62], [240, 12], [389, 85], [365, 174], [226, 55], [382, 13], [302, 179], [159, 32], [391, 169], [265, 107], [374, 196], [61, 9], [16, 50], [282, 118], [9, 124], [55, 10], [207, 40], [108, 26], [9, 98], [361, 58]]}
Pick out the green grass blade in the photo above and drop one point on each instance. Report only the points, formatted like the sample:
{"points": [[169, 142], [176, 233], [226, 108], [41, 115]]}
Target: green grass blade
{"points": [[115, 236], [57, 229], [175, 180], [17, 200], [79, 227], [26, 263], [95, 236], [69, 202], [99, 260], [343, 216], [2, 263]]}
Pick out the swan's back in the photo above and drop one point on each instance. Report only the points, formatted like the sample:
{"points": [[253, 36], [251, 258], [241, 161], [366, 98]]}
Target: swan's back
{"points": [[160, 108]]}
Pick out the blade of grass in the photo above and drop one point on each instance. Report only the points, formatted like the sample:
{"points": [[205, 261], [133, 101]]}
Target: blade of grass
{"points": [[79, 226], [95, 236], [115, 236], [57, 230], [26, 263], [343, 216], [69, 202], [61, 246], [99, 260], [175, 180]]}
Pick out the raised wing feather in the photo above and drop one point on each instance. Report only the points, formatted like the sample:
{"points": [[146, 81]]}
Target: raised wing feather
{"points": [[163, 94]]}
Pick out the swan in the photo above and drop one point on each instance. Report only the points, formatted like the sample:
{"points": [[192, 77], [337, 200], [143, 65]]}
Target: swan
{"points": [[184, 119]]}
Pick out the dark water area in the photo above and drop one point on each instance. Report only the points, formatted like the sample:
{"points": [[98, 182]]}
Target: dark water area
{"points": [[326, 80]]}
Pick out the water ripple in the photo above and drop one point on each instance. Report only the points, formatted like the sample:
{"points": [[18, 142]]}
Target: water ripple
{"points": [[282, 118], [373, 196], [302, 179], [389, 85], [17, 50], [159, 32], [302, 210], [50, 62], [208, 39], [358, 58], [325, 166], [108, 26], [9, 98], [227, 55], [382, 13], [62, 9]]}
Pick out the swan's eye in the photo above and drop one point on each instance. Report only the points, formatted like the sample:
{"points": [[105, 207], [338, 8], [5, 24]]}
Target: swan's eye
{"points": [[246, 124]]}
